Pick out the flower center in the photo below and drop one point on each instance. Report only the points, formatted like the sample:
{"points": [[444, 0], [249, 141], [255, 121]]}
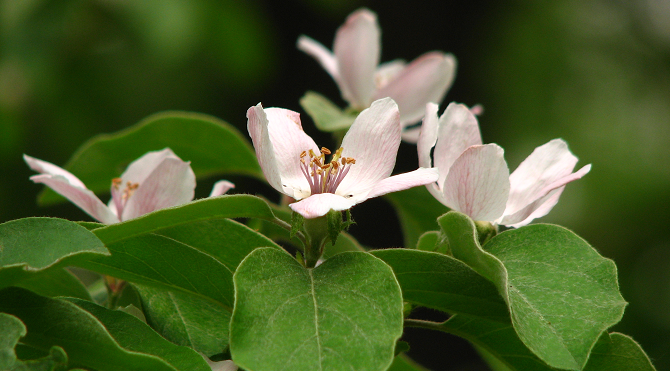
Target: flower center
{"points": [[324, 177], [121, 195]]}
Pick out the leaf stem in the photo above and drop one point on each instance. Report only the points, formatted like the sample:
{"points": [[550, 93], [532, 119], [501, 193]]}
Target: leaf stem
{"points": [[287, 226]]}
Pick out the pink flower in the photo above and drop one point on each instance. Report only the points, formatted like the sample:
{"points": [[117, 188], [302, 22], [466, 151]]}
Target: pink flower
{"points": [[353, 64], [359, 170], [155, 181], [474, 178]]}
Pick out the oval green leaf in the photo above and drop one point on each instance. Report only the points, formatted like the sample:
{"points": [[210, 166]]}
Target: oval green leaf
{"points": [[136, 336], [212, 145], [553, 282], [226, 206], [32, 246], [441, 282], [344, 314], [55, 322]]}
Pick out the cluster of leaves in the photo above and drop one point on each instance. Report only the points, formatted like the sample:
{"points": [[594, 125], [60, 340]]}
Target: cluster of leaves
{"points": [[209, 278]]}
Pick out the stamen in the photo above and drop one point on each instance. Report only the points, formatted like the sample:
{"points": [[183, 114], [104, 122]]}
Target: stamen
{"points": [[322, 176], [120, 197]]}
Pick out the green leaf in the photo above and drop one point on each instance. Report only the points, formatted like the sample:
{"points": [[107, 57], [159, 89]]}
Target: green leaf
{"points": [[344, 314], [403, 363], [11, 330], [186, 319], [551, 280], [31, 246], [163, 262], [417, 212], [498, 339], [225, 240], [326, 115], [441, 282], [227, 206], [134, 335], [618, 352], [55, 322], [433, 241], [54, 282], [212, 146]]}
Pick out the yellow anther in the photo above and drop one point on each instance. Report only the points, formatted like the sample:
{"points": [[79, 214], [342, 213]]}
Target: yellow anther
{"points": [[303, 154], [325, 151], [116, 182]]}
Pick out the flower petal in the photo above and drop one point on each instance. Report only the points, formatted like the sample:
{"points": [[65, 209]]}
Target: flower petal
{"points": [[548, 198], [478, 183], [44, 167], [458, 130], [221, 187], [537, 175], [357, 52], [426, 79], [321, 54], [140, 169], [372, 141], [400, 182], [171, 183], [318, 205], [387, 72], [257, 125], [82, 197], [289, 141], [424, 145]]}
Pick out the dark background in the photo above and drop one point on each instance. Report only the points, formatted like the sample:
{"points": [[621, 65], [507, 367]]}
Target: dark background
{"points": [[594, 72]]}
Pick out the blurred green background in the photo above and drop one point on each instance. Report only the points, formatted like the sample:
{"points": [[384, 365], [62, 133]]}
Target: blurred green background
{"points": [[594, 72]]}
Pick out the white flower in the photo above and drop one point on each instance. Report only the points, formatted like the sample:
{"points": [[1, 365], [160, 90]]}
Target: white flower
{"points": [[354, 65], [294, 165], [155, 181], [474, 178]]}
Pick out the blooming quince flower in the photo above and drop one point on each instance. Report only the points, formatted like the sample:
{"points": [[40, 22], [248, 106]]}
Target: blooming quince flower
{"points": [[156, 180], [474, 178], [359, 170], [353, 64]]}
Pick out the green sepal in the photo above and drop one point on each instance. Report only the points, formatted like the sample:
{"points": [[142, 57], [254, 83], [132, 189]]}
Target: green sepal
{"points": [[325, 114], [297, 222]]}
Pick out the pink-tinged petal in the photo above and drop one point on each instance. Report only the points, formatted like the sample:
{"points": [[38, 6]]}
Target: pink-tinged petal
{"points": [[324, 56], [545, 201], [139, 169], [428, 136], [387, 72], [426, 79], [400, 182], [357, 49], [372, 141], [478, 183], [425, 144], [257, 124], [289, 141], [318, 205], [82, 197], [221, 187], [458, 130], [547, 164], [171, 183], [44, 167]]}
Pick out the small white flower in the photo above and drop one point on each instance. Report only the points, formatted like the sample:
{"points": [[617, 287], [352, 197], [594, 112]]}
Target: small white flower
{"points": [[354, 65], [155, 181], [294, 165], [474, 178]]}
